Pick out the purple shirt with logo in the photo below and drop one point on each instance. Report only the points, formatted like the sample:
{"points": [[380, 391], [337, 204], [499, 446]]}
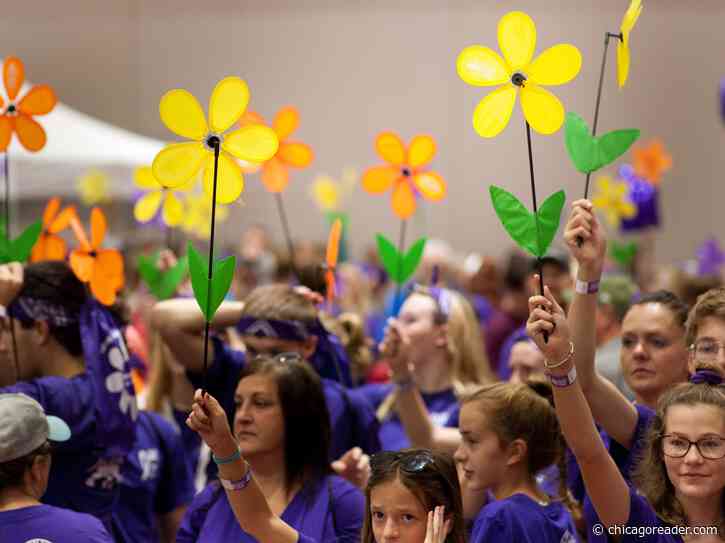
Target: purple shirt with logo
{"points": [[48, 524]]}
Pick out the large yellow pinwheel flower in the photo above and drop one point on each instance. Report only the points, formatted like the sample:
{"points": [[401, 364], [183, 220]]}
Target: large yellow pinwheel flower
{"points": [[628, 22], [158, 197], [178, 163], [480, 66], [613, 200]]}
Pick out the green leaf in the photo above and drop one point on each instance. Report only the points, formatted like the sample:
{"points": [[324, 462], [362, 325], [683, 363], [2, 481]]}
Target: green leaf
{"points": [[389, 256], [623, 253], [19, 249], [223, 273], [199, 280], [150, 274], [221, 282], [411, 260], [521, 224], [163, 285], [590, 153]]}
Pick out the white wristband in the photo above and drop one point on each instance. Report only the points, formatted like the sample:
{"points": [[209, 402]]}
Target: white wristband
{"points": [[584, 287]]}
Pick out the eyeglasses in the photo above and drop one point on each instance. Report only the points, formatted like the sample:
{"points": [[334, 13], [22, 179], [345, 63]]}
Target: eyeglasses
{"points": [[706, 350], [712, 448], [285, 357], [411, 462]]}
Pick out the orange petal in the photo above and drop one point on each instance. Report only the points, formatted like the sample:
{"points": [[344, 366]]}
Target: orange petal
{"points": [[330, 280], [421, 151], [379, 178], [62, 221], [403, 200], [286, 121], [30, 133], [6, 131], [41, 99], [275, 175], [431, 185], [98, 227], [109, 266], [49, 247], [82, 265], [13, 76], [80, 234], [51, 210], [333, 243], [250, 117], [390, 148], [295, 154]]}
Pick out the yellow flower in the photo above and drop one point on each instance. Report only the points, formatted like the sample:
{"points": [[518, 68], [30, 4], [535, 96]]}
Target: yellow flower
{"points": [[197, 217], [481, 66], [329, 193], [612, 199], [158, 196], [628, 22], [93, 188], [178, 163]]}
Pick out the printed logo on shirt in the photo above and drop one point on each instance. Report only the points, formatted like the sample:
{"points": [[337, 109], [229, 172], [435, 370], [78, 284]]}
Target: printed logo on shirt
{"points": [[440, 419], [38, 541], [119, 381], [105, 474], [149, 460], [567, 538]]}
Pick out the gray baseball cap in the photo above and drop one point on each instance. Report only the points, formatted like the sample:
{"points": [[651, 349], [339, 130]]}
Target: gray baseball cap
{"points": [[24, 426]]}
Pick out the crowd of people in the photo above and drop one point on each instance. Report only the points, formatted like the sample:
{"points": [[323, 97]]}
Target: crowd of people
{"points": [[467, 406]]}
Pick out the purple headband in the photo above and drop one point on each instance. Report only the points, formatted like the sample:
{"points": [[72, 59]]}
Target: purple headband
{"points": [[272, 328], [27, 309], [706, 376], [443, 297]]}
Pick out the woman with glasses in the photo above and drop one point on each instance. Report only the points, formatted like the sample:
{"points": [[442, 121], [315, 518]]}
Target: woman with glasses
{"points": [[274, 468], [682, 474], [444, 354], [413, 496]]}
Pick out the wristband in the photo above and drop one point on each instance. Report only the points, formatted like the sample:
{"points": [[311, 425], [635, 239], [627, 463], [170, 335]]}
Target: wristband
{"points": [[242, 483], [562, 381], [563, 360], [3, 311], [227, 459], [584, 287]]}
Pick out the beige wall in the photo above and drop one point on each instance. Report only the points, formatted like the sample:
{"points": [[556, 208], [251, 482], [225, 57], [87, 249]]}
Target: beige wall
{"points": [[356, 68]]}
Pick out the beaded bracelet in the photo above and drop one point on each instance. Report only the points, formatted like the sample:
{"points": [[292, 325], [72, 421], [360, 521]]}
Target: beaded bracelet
{"points": [[563, 361]]}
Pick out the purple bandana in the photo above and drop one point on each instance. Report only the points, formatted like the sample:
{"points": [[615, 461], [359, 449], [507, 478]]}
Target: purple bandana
{"points": [[706, 376], [272, 328], [27, 309]]}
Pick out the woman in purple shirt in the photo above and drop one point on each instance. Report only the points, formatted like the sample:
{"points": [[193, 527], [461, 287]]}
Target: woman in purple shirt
{"points": [[281, 490]]}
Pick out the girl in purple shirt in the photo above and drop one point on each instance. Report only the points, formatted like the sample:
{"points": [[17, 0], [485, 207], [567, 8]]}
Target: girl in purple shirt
{"points": [[282, 489]]}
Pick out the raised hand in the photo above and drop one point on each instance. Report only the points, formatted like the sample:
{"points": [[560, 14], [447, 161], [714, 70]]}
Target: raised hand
{"points": [[585, 237], [395, 347], [11, 282], [546, 315], [208, 419], [354, 466], [438, 526]]}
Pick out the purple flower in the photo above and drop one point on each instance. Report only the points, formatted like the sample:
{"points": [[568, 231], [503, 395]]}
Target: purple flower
{"points": [[710, 258], [645, 196]]}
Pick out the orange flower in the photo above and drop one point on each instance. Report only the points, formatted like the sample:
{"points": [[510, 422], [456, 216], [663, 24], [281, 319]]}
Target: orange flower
{"points": [[651, 162], [275, 172], [18, 117], [405, 170], [50, 246], [102, 268]]}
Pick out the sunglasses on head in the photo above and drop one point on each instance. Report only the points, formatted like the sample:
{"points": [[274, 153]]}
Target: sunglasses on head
{"points": [[290, 356], [411, 462]]}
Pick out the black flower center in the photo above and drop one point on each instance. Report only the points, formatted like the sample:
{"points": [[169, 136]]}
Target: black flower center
{"points": [[518, 79], [94, 254], [11, 108], [406, 172], [212, 141]]}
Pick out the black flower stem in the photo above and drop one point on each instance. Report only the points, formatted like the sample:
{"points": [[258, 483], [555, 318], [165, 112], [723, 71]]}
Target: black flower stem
{"points": [[287, 235], [168, 237], [207, 326], [399, 265], [539, 263], [6, 170]]}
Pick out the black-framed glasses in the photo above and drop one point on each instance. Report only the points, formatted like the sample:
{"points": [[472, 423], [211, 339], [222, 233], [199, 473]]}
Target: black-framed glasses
{"points": [[712, 447], [409, 461]]}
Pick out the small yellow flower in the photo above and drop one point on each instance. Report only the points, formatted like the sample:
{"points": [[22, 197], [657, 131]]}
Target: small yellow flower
{"points": [[329, 194], [612, 199], [93, 188], [158, 196], [197, 216], [628, 22]]}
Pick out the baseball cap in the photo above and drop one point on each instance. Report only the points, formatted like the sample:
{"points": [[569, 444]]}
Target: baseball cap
{"points": [[24, 426]]}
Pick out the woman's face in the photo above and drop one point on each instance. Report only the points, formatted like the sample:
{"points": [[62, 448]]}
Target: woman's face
{"points": [[416, 320], [710, 331], [692, 475], [480, 456], [526, 361], [258, 420], [396, 515], [654, 355]]}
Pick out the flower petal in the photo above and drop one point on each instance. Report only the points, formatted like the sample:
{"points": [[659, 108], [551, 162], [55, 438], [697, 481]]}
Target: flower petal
{"points": [[13, 76], [51, 210], [542, 109], [622, 63], [431, 185], [173, 210], [29, 132], [295, 154], [148, 206], [178, 163], [379, 178], [492, 114], [403, 201], [230, 182], [143, 178], [82, 265], [325, 192], [630, 17], [41, 99], [251, 117], [6, 131], [481, 66], [517, 39], [390, 148], [62, 221], [275, 175], [107, 276], [98, 227], [556, 65], [182, 114], [228, 101], [48, 247], [253, 143], [421, 151], [286, 121]]}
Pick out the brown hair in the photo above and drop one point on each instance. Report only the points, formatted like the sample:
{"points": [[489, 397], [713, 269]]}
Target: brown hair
{"points": [[650, 473], [526, 412], [710, 304], [279, 302], [349, 327], [12, 472], [435, 484]]}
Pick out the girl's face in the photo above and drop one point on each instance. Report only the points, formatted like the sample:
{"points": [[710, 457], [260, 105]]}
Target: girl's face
{"points": [[396, 515], [416, 320], [481, 458], [692, 475], [258, 420], [654, 355], [711, 331]]}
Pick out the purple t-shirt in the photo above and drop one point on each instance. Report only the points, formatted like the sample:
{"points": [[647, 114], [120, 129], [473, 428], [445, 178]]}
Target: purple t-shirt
{"points": [[326, 510], [155, 479], [642, 519], [48, 524], [519, 518], [79, 479], [441, 405]]}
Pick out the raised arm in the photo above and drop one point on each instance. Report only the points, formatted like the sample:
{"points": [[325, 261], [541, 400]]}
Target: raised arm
{"points": [[611, 409], [604, 483]]}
